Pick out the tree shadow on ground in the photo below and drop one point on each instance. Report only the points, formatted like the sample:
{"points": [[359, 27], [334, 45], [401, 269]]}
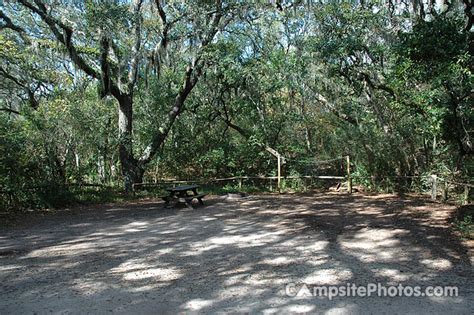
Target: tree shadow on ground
{"points": [[235, 256]]}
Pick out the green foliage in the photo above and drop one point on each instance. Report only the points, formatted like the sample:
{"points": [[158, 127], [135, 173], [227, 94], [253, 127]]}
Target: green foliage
{"points": [[107, 15], [433, 45], [28, 175], [316, 83], [465, 227]]}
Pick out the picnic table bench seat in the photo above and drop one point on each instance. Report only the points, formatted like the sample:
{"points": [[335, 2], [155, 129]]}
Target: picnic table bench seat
{"points": [[183, 194], [190, 198], [166, 198]]}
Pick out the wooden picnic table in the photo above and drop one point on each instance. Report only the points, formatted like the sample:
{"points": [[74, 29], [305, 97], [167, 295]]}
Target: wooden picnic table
{"points": [[183, 194]]}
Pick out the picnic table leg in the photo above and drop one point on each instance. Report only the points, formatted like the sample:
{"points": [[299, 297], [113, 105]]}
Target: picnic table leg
{"points": [[169, 199], [189, 204], [199, 199], [184, 195]]}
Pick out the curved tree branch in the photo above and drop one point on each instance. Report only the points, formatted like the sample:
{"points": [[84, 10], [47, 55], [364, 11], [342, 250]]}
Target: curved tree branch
{"points": [[191, 77], [9, 24], [132, 75], [9, 110], [62, 33]]}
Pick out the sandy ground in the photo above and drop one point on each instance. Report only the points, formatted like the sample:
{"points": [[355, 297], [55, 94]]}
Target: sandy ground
{"points": [[235, 256]]}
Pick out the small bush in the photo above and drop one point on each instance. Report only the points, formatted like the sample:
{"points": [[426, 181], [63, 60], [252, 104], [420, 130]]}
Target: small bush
{"points": [[465, 227]]}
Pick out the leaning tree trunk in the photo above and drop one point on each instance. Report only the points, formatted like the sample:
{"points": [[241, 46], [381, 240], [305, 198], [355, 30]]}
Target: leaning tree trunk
{"points": [[131, 170]]}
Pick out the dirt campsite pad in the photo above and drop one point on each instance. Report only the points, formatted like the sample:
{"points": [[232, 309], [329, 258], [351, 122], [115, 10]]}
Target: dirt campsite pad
{"points": [[235, 255]]}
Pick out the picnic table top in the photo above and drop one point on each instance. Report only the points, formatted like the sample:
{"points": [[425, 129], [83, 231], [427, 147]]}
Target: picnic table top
{"points": [[183, 188]]}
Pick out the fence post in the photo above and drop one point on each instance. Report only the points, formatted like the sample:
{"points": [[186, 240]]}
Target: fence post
{"points": [[445, 190], [240, 182], [434, 184], [349, 179], [279, 172]]}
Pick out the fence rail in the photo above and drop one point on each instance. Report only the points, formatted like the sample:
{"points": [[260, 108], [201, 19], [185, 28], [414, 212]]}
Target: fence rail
{"points": [[239, 179], [37, 187], [236, 178], [445, 188], [433, 179], [439, 185]]}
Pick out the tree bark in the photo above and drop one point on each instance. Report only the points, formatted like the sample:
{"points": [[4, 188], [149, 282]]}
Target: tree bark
{"points": [[131, 170]]}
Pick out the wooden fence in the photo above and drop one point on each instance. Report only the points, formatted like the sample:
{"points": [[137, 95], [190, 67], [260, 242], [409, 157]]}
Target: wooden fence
{"points": [[440, 187], [445, 186], [274, 181], [38, 187], [438, 184]]}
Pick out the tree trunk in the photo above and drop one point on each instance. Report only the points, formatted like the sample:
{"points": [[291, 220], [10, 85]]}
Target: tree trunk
{"points": [[307, 131], [131, 170]]}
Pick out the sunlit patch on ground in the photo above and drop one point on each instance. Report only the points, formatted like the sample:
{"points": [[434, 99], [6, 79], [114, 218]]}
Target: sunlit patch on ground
{"points": [[235, 256]]}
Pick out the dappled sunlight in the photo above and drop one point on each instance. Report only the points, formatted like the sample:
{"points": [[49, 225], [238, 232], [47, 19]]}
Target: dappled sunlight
{"points": [[199, 249], [333, 276], [157, 274], [234, 256], [437, 264], [371, 245], [254, 239], [392, 275], [89, 286], [297, 308], [279, 261], [343, 308], [196, 304]]}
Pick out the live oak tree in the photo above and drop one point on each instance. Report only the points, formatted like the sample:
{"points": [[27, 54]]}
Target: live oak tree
{"points": [[119, 44]]}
